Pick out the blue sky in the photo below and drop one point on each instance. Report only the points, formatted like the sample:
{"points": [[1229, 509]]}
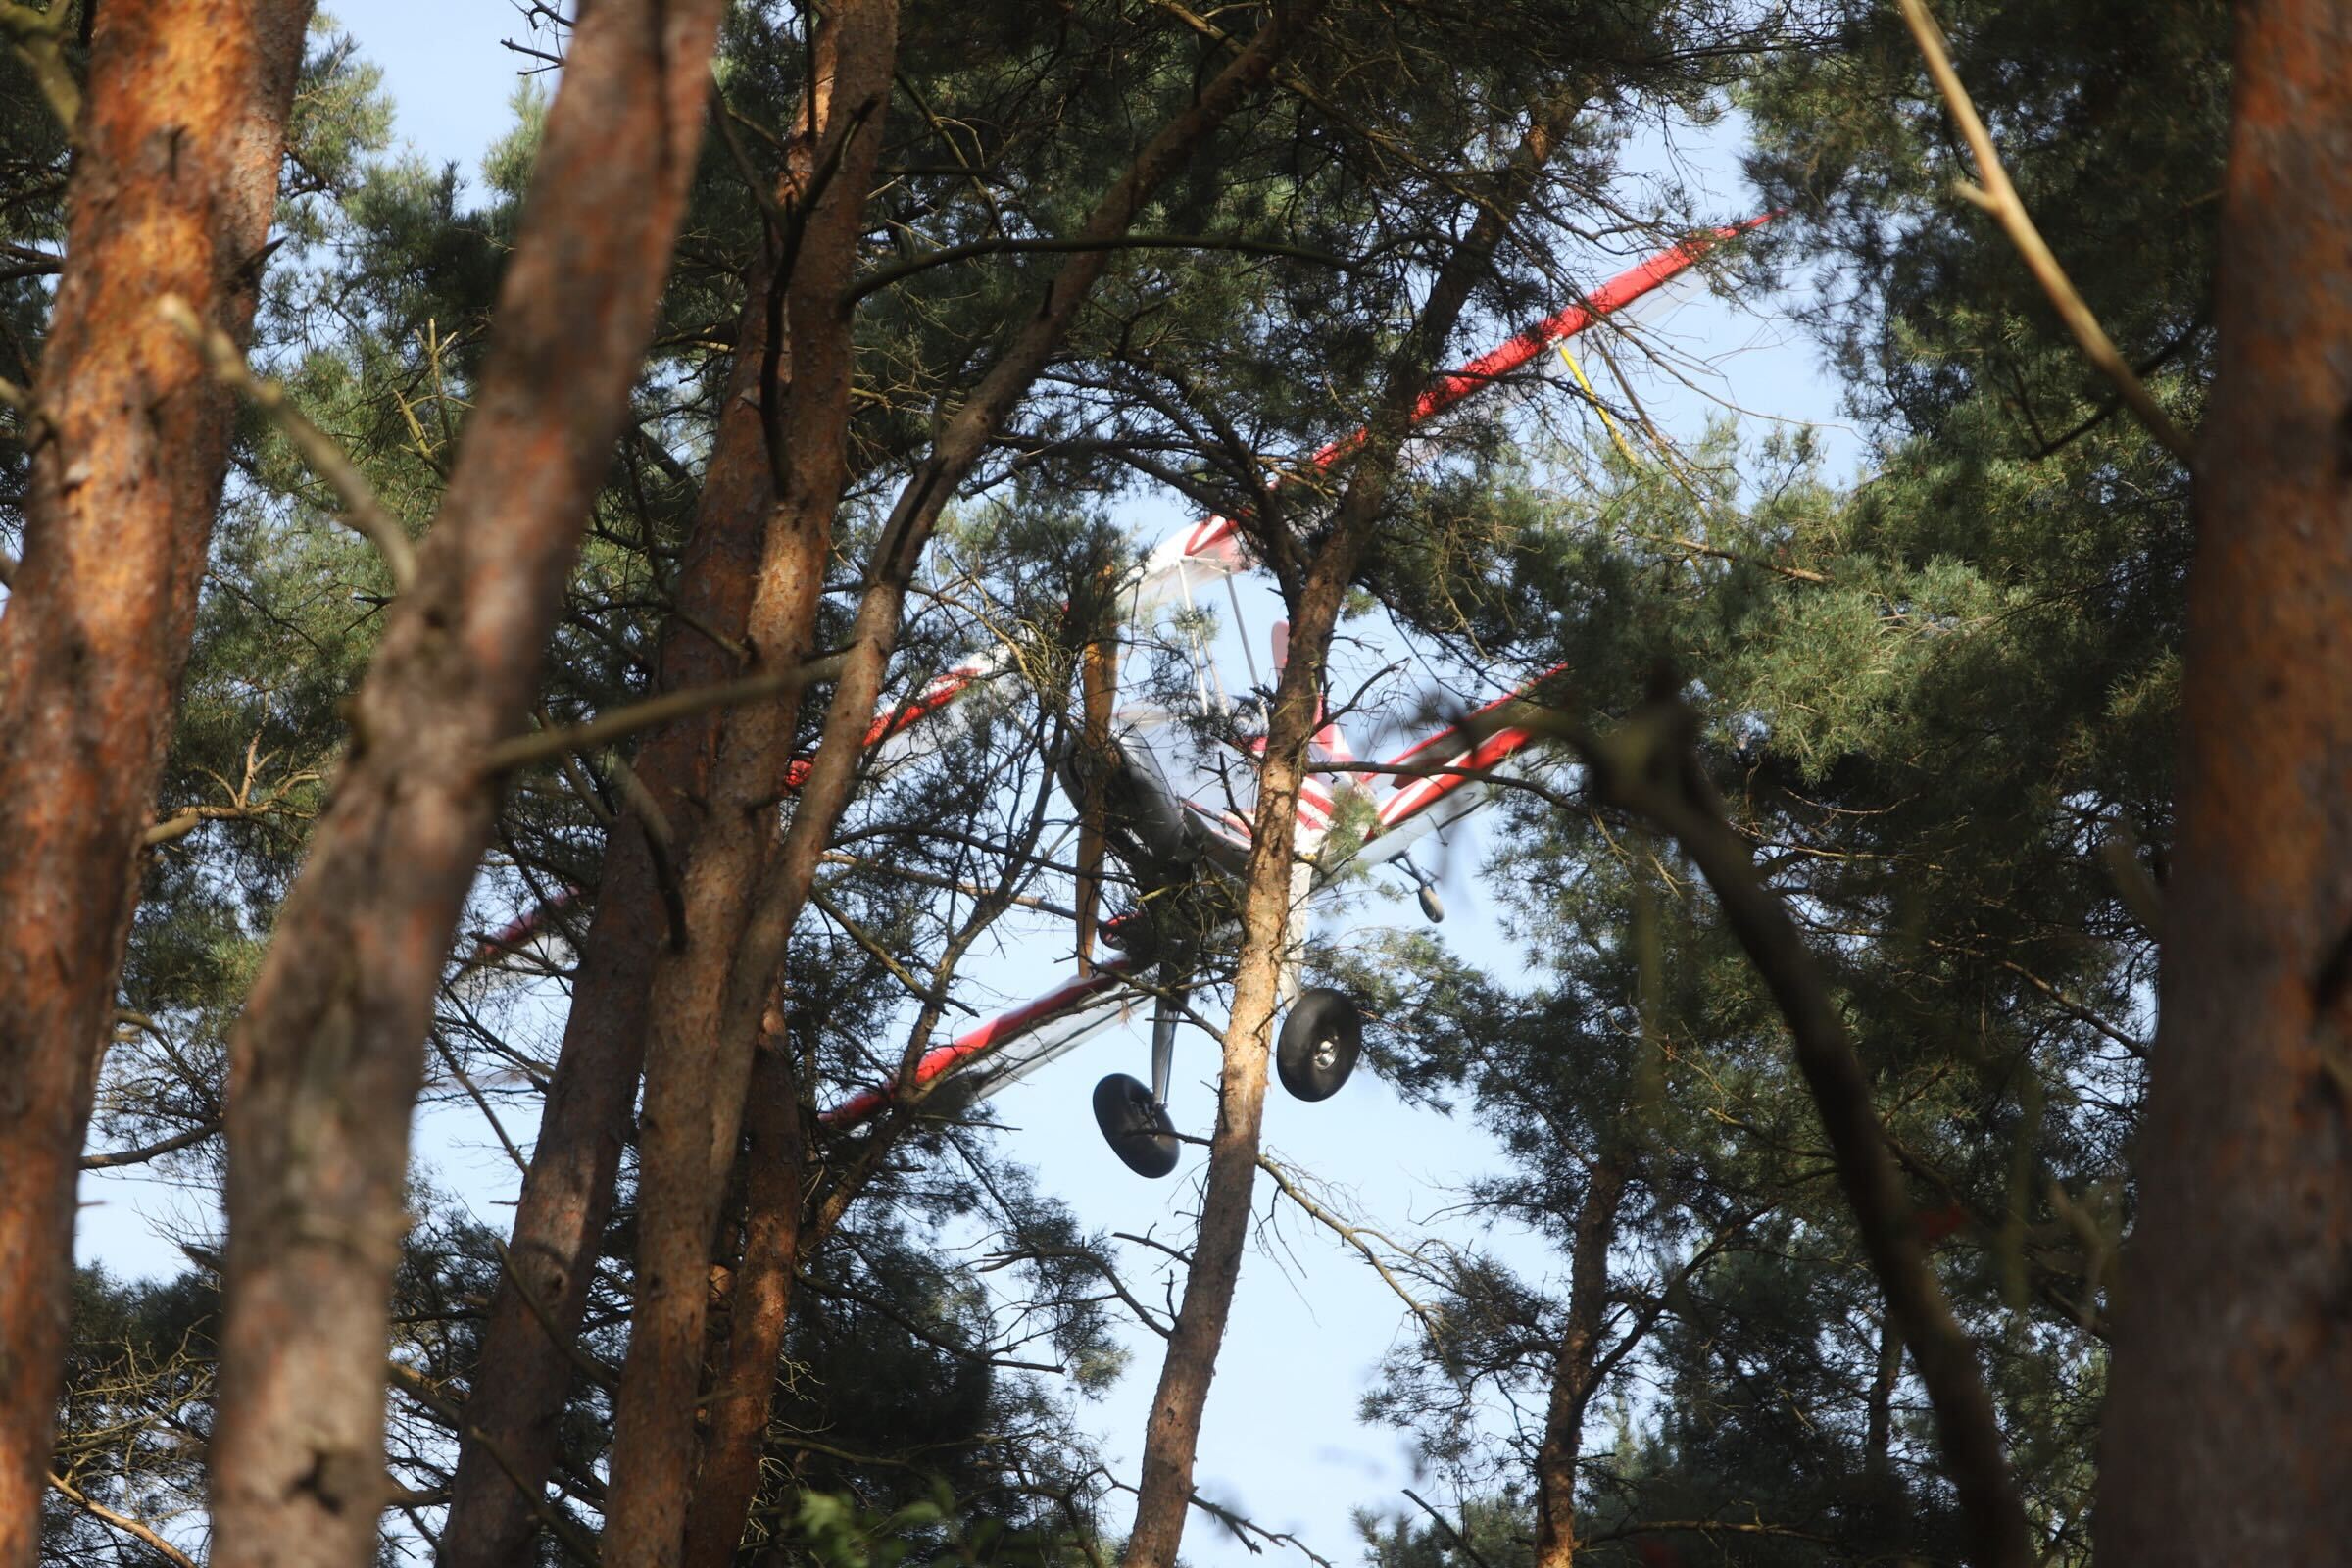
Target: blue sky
{"points": [[1282, 1442]]}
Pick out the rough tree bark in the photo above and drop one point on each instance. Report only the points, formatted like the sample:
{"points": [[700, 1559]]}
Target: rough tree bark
{"points": [[791, 1207], [1172, 1431], [329, 1053], [854, 55], [175, 179], [1573, 1374], [742, 905], [512, 1417], [2227, 1425], [774, 1241]]}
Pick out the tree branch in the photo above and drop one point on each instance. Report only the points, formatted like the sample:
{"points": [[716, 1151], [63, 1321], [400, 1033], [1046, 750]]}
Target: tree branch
{"points": [[882, 277], [541, 745], [116, 1159], [1649, 765], [1353, 1236], [1999, 198], [1454, 1538], [119, 1521]]}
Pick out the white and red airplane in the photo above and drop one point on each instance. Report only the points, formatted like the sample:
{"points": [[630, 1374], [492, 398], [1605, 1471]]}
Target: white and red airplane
{"points": [[1177, 810]]}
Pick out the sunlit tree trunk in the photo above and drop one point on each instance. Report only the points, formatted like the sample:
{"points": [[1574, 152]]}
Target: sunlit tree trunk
{"points": [[177, 147], [774, 1187], [693, 1103], [2228, 1424], [328, 1058], [742, 905]]}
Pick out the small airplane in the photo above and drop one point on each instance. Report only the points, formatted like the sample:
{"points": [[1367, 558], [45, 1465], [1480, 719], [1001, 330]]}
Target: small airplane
{"points": [[1174, 801]]}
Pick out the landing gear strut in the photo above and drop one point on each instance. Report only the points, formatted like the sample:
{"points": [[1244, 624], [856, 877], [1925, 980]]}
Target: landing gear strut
{"points": [[1425, 888]]}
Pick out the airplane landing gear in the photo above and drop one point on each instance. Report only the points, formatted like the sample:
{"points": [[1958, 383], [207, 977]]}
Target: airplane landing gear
{"points": [[1316, 1053], [1320, 1042], [1134, 1117], [1136, 1126]]}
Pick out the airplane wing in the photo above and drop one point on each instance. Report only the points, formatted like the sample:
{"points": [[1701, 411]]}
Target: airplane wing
{"points": [[1212, 551], [1444, 778], [1009, 1047]]}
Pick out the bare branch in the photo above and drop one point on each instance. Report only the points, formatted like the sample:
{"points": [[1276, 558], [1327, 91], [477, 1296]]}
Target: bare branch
{"points": [[1354, 1236], [1999, 198], [120, 1521], [541, 745], [882, 277]]}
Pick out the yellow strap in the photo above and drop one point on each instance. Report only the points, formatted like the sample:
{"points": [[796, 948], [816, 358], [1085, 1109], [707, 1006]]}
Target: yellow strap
{"points": [[1594, 396]]}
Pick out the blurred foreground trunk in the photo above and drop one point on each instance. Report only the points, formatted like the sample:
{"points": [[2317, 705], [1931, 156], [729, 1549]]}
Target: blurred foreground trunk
{"points": [[326, 1061], [181, 131], [2228, 1424]]}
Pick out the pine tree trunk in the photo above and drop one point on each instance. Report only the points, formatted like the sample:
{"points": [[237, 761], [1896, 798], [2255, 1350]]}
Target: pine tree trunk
{"points": [[328, 1058], [2229, 1422], [743, 902], [175, 179], [523, 1375], [775, 1183], [1573, 1378], [1172, 1430], [694, 1067]]}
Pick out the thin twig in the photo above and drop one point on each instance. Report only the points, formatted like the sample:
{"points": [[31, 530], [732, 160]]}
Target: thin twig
{"points": [[1093, 1260], [481, 1103], [323, 452], [523, 750], [453, 1416], [978, 1356], [832, 911], [1999, 198], [947, 883], [1353, 1236], [882, 277]]}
